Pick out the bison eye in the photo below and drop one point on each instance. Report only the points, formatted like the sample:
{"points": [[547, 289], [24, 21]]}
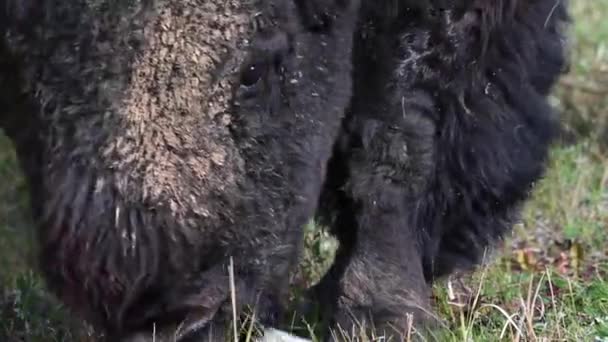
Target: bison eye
{"points": [[252, 74]]}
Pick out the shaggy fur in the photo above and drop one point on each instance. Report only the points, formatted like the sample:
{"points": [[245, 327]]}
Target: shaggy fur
{"points": [[161, 138], [448, 131]]}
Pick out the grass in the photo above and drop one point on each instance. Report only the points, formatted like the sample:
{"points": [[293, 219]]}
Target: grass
{"points": [[547, 282]]}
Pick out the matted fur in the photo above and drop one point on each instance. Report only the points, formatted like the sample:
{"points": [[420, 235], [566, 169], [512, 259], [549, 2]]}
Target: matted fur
{"points": [[161, 138], [448, 131]]}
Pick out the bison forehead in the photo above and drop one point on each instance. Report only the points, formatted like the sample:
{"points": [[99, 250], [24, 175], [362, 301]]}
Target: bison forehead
{"points": [[176, 106], [130, 90]]}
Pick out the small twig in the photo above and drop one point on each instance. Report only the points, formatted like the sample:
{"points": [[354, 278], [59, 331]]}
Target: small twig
{"points": [[508, 317], [555, 5], [554, 302], [233, 298]]}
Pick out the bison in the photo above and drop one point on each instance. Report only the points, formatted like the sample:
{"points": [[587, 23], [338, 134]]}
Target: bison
{"points": [[448, 130], [163, 139]]}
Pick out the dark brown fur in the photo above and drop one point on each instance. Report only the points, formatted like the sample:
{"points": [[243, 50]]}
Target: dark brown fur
{"points": [[162, 138], [448, 131]]}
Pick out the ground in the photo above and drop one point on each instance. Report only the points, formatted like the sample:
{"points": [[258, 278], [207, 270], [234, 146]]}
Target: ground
{"points": [[549, 281]]}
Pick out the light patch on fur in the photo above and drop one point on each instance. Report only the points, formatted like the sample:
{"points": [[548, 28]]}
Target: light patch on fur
{"points": [[130, 92], [176, 146]]}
